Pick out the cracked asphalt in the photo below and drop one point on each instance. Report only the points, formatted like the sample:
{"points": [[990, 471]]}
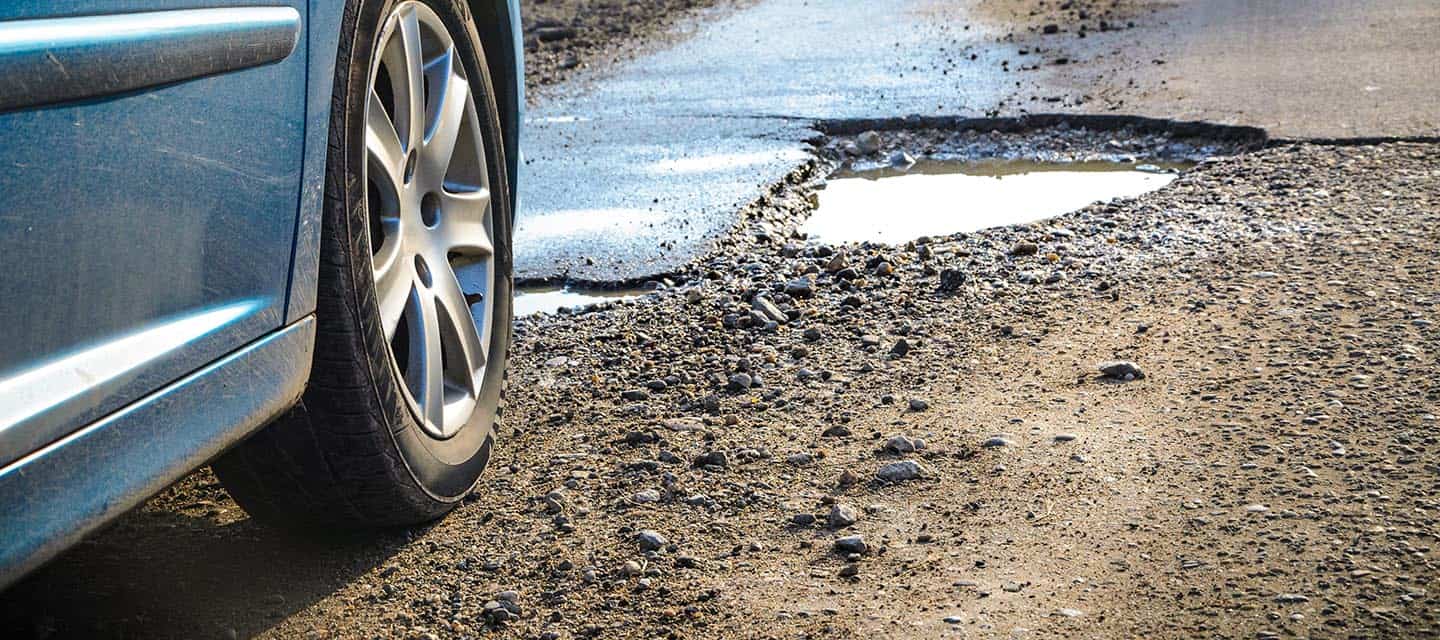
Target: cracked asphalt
{"points": [[634, 168]]}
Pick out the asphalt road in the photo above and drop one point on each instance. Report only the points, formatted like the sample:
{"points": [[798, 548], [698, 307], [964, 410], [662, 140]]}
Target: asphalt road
{"points": [[634, 170]]}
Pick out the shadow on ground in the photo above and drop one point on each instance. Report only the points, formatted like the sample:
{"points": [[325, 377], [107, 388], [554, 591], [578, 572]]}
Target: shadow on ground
{"points": [[197, 568]]}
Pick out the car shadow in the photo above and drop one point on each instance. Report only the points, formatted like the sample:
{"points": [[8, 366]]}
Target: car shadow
{"points": [[187, 564]]}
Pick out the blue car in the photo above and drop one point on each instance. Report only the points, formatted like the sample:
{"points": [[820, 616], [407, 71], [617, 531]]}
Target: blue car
{"points": [[273, 236]]}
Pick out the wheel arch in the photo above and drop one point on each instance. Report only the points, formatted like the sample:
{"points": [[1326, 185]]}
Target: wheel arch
{"points": [[498, 23]]}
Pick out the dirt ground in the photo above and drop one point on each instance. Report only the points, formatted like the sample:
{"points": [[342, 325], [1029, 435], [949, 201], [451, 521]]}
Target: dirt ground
{"points": [[563, 37], [1273, 474]]}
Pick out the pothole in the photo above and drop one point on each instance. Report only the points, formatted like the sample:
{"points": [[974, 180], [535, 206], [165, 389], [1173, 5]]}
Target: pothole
{"points": [[533, 299], [932, 197], [777, 225]]}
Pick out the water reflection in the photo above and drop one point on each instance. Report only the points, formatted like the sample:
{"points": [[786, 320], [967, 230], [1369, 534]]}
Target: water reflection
{"points": [[552, 298], [936, 197]]}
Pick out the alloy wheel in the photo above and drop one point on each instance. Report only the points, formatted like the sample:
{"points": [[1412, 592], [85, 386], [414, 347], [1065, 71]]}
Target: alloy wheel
{"points": [[430, 220]]}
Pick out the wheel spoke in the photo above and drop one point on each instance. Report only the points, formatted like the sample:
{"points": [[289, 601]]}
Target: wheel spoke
{"points": [[382, 143], [462, 223], [449, 116], [394, 282], [414, 76], [431, 369], [406, 63], [469, 338]]}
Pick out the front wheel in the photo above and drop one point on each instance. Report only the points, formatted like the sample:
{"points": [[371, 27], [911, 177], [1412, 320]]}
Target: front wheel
{"points": [[415, 286]]}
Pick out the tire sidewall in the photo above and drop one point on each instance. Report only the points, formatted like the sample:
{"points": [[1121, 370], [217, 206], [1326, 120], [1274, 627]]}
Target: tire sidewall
{"points": [[445, 469]]}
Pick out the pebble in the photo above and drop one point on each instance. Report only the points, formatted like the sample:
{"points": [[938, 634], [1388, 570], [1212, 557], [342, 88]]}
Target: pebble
{"points": [[997, 441], [900, 444], [919, 404], [900, 471], [740, 382], [901, 348], [712, 459], [683, 424], [868, 142], [770, 310], [651, 540], [851, 544], [1121, 370], [901, 160], [1021, 249], [841, 516], [951, 279]]}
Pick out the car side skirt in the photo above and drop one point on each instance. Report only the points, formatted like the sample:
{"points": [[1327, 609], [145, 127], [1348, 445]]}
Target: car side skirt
{"points": [[53, 497]]}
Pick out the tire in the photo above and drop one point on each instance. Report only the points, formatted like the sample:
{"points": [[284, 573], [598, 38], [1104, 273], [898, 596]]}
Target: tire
{"points": [[360, 450]]}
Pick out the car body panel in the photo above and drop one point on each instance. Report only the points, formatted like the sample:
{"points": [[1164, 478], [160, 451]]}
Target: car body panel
{"points": [[52, 60], [323, 33], [127, 214]]}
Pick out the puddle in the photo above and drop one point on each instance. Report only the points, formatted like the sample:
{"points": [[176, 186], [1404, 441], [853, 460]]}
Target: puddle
{"points": [[942, 197], [552, 298]]}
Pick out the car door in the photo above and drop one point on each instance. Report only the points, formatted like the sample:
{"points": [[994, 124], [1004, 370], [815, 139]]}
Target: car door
{"points": [[150, 160]]}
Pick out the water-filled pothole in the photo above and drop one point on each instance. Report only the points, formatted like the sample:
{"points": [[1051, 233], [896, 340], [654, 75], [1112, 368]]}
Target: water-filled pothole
{"points": [[940, 197], [530, 300]]}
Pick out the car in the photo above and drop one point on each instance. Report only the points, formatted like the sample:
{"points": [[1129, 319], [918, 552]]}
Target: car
{"points": [[274, 238]]}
